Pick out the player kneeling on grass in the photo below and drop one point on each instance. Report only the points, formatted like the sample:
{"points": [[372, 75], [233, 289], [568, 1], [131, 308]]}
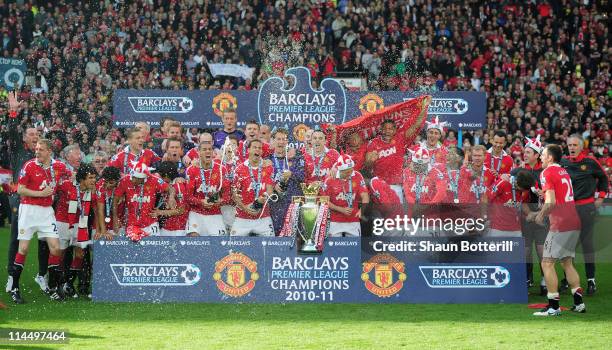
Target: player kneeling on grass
{"points": [[564, 230], [37, 185], [347, 191], [76, 202], [172, 221]]}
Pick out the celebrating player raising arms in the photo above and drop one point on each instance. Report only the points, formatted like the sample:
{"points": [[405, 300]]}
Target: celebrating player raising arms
{"points": [[206, 187], [37, 185], [385, 153], [251, 188]]}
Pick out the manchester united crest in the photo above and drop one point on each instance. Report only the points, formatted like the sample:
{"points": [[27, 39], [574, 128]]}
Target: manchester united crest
{"points": [[383, 275], [222, 102], [371, 103], [299, 131], [236, 275]]}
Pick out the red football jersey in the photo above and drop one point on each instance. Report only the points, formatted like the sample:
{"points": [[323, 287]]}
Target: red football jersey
{"points": [[247, 182], [340, 192], [105, 197], [193, 153], [390, 160], [66, 193], [178, 222], [473, 187], [317, 168], [563, 217], [386, 199], [119, 161], [196, 192], [243, 152], [502, 164], [140, 196], [34, 177], [504, 207], [430, 187]]}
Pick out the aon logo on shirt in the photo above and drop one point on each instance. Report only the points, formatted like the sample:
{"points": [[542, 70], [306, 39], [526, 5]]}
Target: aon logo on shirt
{"points": [[477, 189], [322, 172], [342, 196], [424, 189], [145, 199], [387, 152]]}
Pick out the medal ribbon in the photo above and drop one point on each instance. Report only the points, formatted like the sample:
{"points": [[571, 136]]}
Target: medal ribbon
{"points": [[454, 184], [257, 183], [420, 179]]}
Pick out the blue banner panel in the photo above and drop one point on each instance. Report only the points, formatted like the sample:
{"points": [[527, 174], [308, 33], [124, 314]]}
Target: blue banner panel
{"points": [[12, 73], [270, 270], [295, 106]]}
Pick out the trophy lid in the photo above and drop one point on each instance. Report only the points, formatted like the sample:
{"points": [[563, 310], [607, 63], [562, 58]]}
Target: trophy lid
{"points": [[311, 189]]}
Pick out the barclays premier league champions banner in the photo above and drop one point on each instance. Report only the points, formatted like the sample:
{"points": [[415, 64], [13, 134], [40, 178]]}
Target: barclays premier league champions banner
{"points": [[349, 270], [292, 102]]}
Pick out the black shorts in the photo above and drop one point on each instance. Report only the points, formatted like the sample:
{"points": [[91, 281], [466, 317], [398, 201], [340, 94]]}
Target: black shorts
{"points": [[535, 233]]}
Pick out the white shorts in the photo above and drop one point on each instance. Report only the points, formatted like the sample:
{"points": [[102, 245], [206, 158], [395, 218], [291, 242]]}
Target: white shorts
{"points": [[499, 233], [229, 215], [350, 229], [206, 225], [68, 236], [559, 245], [36, 219], [398, 189], [171, 233], [256, 227], [153, 229]]}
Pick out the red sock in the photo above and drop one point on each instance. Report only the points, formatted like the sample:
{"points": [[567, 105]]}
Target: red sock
{"points": [[20, 259], [54, 260], [77, 263]]}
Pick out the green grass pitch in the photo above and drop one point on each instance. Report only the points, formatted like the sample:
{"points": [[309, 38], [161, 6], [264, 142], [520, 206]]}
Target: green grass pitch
{"points": [[309, 326]]}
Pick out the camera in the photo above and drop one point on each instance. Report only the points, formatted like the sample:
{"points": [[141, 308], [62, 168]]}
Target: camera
{"points": [[212, 197], [256, 205]]}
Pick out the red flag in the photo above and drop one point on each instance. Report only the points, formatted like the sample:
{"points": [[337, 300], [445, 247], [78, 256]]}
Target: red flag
{"points": [[412, 113]]}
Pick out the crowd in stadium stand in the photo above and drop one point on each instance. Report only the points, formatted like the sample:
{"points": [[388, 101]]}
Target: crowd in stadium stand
{"points": [[545, 65]]}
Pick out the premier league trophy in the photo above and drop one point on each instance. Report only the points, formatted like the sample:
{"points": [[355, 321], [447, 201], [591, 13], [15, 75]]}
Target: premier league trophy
{"points": [[308, 217]]}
